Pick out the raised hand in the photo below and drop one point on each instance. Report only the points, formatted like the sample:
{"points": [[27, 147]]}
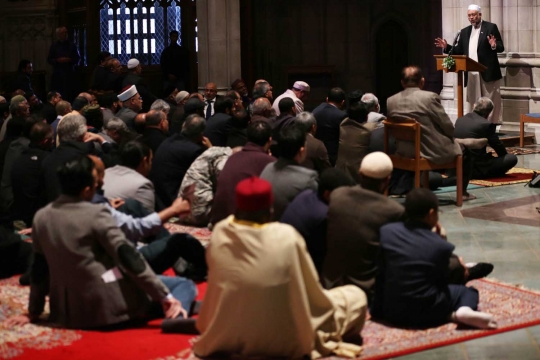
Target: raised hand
{"points": [[492, 40], [441, 43]]}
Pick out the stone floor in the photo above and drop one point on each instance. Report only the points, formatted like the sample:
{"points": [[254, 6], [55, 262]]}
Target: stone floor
{"points": [[515, 252]]}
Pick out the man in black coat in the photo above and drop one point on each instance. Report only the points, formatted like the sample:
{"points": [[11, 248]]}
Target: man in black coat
{"points": [[475, 125], [156, 129], [48, 111], [219, 124], [488, 41], [174, 157], [329, 116]]}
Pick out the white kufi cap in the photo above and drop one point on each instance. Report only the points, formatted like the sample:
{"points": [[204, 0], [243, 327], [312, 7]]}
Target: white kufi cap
{"points": [[300, 85], [128, 94], [132, 64], [474, 7], [181, 96], [376, 165]]}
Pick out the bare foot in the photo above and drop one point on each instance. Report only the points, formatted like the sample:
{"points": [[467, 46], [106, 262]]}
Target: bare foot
{"points": [[467, 197]]}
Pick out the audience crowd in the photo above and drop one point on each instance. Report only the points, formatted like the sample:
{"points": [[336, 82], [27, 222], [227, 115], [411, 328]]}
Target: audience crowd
{"points": [[305, 238]]}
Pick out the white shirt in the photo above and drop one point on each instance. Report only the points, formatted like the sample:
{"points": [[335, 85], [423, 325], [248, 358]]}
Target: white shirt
{"points": [[473, 42], [206, 106]]}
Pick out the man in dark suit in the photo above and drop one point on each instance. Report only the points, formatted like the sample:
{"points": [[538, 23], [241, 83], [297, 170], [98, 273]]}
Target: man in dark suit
{"points": [[481, 41], [114, 78], [219, 124], [48, 111], [210, 97], [475, 125], [156, 128], [355, 216], [317, 156], [329, 116], [174, 157], [413, 287]]}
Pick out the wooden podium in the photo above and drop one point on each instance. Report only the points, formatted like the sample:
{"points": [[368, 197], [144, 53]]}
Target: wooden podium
{"points": [[463, 63]]}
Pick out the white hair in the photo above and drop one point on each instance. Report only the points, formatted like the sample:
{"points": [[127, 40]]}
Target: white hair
{"points": [[306, 120], [371, 101], [71, 128], [160, 105]]}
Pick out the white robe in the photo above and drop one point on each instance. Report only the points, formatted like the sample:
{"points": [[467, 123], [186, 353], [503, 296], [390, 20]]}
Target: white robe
{"points": [[264, 297]]}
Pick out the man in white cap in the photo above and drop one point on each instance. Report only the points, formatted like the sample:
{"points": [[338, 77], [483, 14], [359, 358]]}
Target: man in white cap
{"points": [[355, 216], [299, 93], [481, 41], [134, 78], [132, 104]]}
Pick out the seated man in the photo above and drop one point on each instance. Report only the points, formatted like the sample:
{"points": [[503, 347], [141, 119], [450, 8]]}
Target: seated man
{"points": [[219, 124], [156, 129], [476, 125], [355, 216], [203, 175], [174, 157], [413, 287], [249, 162], [308, 213], [317, 156], [287, 177], [129, 179], [263, 282], [374, 109], [354, 138], [73, 255], [437, 143]]}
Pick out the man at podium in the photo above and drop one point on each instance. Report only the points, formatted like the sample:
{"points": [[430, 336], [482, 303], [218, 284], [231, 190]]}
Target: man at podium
{"points": [[481, 41]]}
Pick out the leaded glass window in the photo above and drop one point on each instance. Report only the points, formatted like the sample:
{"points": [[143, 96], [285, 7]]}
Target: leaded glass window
{"points": [[138, 29]]}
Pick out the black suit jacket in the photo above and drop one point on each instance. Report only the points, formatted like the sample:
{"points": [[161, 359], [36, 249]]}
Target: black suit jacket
{"points": [[474, 126], [142, 89], [328, 120], [48, 111], [486, 56], [217, 129], [153, 137], [171, 161]]}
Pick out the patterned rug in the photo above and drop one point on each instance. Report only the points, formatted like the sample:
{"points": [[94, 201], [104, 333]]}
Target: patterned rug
{"points": [[516, 151], [513, 176], [203, 234], [513, 307]]}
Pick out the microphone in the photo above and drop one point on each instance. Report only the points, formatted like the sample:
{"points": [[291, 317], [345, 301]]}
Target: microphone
{"points": [[456, 39]]}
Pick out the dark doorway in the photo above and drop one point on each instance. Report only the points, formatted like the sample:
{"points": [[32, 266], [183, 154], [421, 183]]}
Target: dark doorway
{"points": [[392, 54]]}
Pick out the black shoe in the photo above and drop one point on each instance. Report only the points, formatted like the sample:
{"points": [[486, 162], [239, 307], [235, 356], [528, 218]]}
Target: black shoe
{"points": [[24, 279], [479, 271]]}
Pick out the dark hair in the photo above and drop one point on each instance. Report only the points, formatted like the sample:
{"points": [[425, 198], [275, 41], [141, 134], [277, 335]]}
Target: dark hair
{"points": [[193, 126], [28, 95], [355, 96], [22, 64], [102, 56], [51, 94], [418, 203], [108, 99], [21, 126], [285, 105], [223, 103], [93, 116], [174, 32], [75, 175], [231, 94], [358, 112], [154, 117], [236, 82], [336, 95], [132, 154], [259, 132], [331, 179], [291, 139], [39, 132], [240, 119], [193, 106], [411, 75], [4, 107], [79, 103]]}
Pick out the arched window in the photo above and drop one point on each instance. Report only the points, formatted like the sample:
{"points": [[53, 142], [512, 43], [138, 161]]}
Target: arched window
{"points": [[138, 29]]}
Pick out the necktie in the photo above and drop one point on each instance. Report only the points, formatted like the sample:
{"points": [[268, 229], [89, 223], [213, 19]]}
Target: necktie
{"points": [[209, 109]]}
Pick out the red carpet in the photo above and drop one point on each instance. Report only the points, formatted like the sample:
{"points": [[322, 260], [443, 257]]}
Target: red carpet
{"points": [[513, 307], [513, 176]]}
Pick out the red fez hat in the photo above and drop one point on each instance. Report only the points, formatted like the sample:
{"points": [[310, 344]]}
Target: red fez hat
{"points": [[254, 194]]}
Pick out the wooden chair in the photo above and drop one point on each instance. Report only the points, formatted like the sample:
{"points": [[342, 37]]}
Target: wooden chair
{"points": [[526, 118], [409, 130]]}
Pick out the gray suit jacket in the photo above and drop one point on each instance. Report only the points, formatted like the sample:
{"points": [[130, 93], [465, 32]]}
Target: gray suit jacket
{"points": [[437, 134], [354, 141], [125, 183], [288, 179], [76, 242]]}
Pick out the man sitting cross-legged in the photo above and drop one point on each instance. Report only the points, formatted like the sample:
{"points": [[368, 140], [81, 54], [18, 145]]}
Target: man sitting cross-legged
{"points": [[264, 297], [93, 275], [413, 287]]}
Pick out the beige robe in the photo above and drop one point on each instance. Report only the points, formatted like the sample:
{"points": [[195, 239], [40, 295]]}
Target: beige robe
{"points": [[264, 297]]}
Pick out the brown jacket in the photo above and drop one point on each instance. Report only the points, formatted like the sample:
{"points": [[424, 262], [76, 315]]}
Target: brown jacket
{"points": [[78, 242], [316, 156], [354, 138]]}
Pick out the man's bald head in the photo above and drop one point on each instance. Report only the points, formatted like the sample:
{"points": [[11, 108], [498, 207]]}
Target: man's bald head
{"points": [[261, 107], [411, 76], [210, 91]]}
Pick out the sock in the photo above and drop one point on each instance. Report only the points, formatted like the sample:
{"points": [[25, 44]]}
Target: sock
{"points": [[466, 315]]}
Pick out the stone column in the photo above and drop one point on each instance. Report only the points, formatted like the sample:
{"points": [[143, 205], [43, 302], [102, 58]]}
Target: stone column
{"points": [[449, 93], [218, 31]]}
